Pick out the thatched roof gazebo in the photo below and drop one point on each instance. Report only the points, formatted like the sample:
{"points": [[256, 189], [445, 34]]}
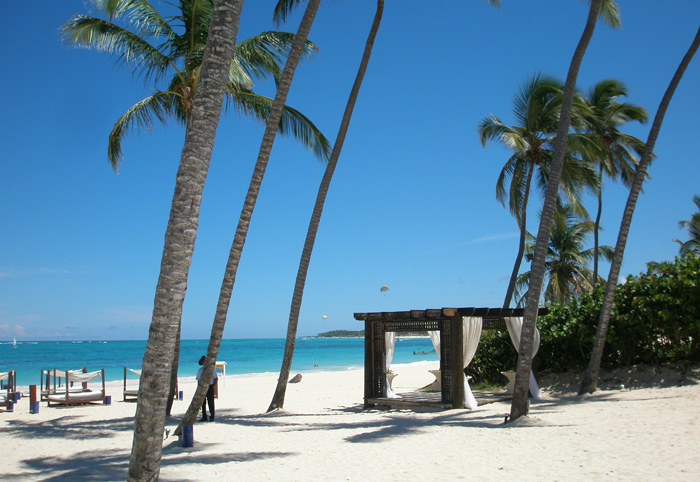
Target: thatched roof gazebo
{"points": [[449, 323]]}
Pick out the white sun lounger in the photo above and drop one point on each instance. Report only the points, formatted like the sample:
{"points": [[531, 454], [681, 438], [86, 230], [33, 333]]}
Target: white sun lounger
{"points": [[69, 397]]}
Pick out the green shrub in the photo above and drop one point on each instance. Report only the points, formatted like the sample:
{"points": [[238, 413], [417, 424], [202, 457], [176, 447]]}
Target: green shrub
{"points": [[655, 319]]}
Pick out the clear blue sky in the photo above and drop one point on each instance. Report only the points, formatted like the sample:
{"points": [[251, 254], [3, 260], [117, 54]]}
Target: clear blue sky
{"points": [[412, 204]]}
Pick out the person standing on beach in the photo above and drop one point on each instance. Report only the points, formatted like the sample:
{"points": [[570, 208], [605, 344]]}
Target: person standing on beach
{"points": [[210, 393]]}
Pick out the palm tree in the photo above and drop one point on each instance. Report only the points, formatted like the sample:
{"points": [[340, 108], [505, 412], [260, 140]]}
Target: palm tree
{"points": [[281, 389], [566, 267], [149, 421], [536, 109], [616, 154], [247, 212], [692, 246], [590, 378], [519, 406], [157, 47]]}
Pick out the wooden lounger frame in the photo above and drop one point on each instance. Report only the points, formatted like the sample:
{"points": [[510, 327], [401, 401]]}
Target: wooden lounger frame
{"points": [[72, 398], [132, 394], [10, 390]]}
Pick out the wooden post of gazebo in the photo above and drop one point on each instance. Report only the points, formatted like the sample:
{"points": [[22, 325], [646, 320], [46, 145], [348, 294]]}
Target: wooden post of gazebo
{"points": [[369, 368], [457, 361]]}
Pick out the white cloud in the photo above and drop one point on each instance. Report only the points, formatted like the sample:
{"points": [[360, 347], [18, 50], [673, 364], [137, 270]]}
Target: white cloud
{"points": [[7, 330], [10, 273], [495, 237]]}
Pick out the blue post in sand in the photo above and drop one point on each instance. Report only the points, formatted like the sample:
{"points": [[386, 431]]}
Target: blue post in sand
{"points": [[108, 400], [18, 395], [181, 395], [188, 435], [34, 408], [10, 406]]}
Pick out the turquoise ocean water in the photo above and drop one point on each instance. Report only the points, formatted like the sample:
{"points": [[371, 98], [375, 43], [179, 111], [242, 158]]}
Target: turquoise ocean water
{"points": [[241, 356]]}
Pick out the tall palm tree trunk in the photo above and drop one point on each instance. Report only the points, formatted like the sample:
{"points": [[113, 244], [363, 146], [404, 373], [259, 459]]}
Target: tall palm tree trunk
{"points": [[180, 235], [596, 227], [271, 128], [590, 379], [521, 242], [173, 372], [281, 389], [520, 406]]}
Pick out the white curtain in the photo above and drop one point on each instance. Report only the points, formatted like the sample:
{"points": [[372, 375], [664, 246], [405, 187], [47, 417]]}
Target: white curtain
{"points": [[389, 341], [515, 325], [435, 338], [471, 327], [83, 377]]}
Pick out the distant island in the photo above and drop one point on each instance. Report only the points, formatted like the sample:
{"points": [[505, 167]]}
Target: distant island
{"points": [[342, 334], [361, 334]]}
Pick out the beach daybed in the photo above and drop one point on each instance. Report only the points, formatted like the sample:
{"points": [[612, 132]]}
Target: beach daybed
{"points": [[70, 397], [131, 393], [54, 382], [8, 381]]}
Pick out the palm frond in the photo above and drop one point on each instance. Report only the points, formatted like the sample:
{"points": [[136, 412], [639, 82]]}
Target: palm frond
{"points": [[283, 9], [292, 123], [610, 13], [139, 117], [263, 55], [194, 19], [139, 14], [126, 46]]}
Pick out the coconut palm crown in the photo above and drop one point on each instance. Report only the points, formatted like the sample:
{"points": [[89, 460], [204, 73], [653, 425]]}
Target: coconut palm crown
{"points": [[612, 151], [692, 246], [156, 47], [566, 266], [531, 140]]}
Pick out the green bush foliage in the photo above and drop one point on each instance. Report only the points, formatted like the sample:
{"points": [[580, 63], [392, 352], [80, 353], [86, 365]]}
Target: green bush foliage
{"points": [[655, 319]]}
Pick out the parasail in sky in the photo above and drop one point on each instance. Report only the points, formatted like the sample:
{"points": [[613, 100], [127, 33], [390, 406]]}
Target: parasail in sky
{"points": [[324, 317], [384, 288]]}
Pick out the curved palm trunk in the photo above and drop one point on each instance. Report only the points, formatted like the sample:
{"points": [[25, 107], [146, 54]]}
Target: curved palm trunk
{"points": [[173, 372], [281, 389], [596, 228], [520, 406], [590, 379], [271, 128], [144, 463], [521, 243]]}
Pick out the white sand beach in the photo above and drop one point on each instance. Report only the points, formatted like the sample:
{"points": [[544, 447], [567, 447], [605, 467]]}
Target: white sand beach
{"points": [[639, 432]]}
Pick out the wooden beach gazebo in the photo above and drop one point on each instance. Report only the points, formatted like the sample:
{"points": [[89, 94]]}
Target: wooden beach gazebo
{"points": [[446, 321]]}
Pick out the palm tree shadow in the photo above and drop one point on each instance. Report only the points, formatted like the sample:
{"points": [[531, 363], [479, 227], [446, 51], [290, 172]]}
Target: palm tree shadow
{"points": [[110, 465], [69, 427]]}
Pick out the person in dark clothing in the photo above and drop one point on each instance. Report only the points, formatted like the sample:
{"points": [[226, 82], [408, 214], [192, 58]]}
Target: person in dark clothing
{"points": [[210, 393]]}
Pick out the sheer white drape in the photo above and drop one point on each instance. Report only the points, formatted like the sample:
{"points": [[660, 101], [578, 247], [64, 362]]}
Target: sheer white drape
{"points": [[515, 325], [472, 334], [82, 377], [389, 342], [435, 338]]}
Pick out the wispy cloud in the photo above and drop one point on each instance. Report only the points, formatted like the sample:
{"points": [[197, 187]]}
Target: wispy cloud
{"points": [[7, 330], [495, 237], [10, 273]]}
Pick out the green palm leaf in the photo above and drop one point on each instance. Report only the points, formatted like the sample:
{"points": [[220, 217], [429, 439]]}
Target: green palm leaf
{"points": [[141, 116], [292, 123], [129, 48]]}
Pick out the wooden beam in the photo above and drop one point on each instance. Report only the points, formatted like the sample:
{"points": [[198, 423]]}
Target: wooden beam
{"points": [[369, 369], [457, 361]]}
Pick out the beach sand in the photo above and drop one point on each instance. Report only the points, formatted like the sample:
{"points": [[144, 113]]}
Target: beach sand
{"points": [[639, 432]]}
